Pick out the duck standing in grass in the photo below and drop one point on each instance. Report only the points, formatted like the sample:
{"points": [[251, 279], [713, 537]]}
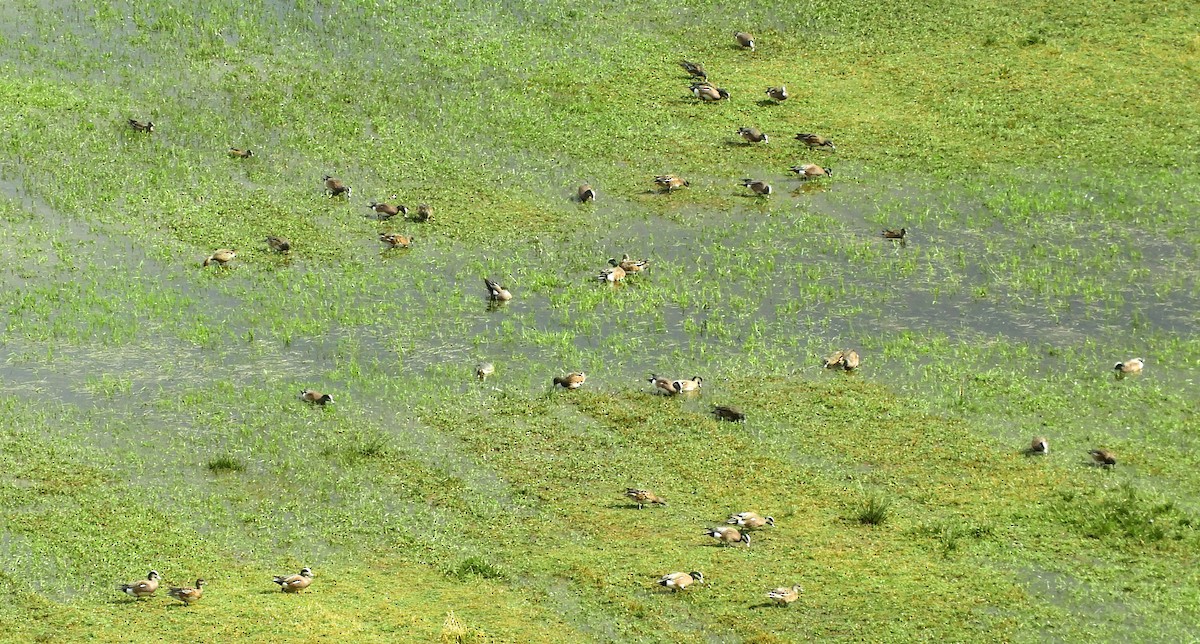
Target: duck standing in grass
{"points": [[729, 413], [670, 182], [221, 257], [694, 69], [396, 240], [1039, 445], [760, 188], [678, 581], [279, 244], [892, 233], [294, 583], [644, 497], [708, 93], [1103, 457], [424, 213], [141, 126], [315, 397], [612, 274], [846, 359], [142, 589], [662, 385], [496, 292], [778, 94], [573, 380], [744, 40], [187, 595], [752, 135], [727, 536], [585, 193], [785, 596], [1130, 366], [483, 370], [815, 140], [750, 520], [335, 187], [240, 153], [386, 211]]}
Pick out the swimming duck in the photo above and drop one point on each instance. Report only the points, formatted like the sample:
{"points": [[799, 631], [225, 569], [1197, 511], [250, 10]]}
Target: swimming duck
{"points": [[496, 292], [891, 233], [811, 170], [682, 385], [662, 385], [483, 370], [612, 274], [630, 265], [1130, 366]]}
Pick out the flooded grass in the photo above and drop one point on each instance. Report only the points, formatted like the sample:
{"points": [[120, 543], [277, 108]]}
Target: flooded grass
{"points": [[152, 418]]}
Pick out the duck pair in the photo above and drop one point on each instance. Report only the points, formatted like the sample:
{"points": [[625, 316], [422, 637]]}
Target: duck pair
{"points": [[146, 588], [1102, 457], [672, 387], [617, 270]]}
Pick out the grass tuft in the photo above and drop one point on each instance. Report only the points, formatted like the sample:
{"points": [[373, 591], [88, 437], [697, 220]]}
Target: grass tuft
{"points": [[224, 464], [477, 567], [874, 510]]}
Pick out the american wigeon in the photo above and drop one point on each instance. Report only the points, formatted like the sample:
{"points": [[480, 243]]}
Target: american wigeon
{"points": [[778, 93], [1134, 365], [815, 140], [396, 240], [750, 520], [221, 256], [1103, 457], [335, 187], [484, 369], [1039, 445], [424, 212], [695, 69], [729, 413], [745, 40], [294, 583], [727, 536], [752, 135], [670, 182], [315, 397], [846, 359], [141, 126], [496, 292], [187, 595], [644, 497], [785, 596], [386, 211], [143, 588], [612, 274], [706, 92], [630, 265], [240, 153], [683, 385], [662, 385], [892, 233], [760, 188], [677, 581], [585, 193], [279, 244], [572, 380], [811, 171]]}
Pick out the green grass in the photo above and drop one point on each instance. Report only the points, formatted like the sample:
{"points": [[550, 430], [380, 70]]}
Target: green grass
{"points": [[1038, 155]]}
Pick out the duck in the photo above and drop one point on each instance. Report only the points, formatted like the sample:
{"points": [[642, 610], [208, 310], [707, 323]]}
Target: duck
{"points": [[144, 588], [141, 126], [483, 370], [572, 380], [1130, 366], [424, 212], [811, 170], [496, 292], [760, 188], [706, 92], [630, 265], [815, 140], [892, 233], [662, 385], [335, 187], [727, 536], [585, 193], [612, 274], [221, 256], [752, 135], [778, 93], [850, 360], [745, 40], [750, 520], [682, 385], [315, 397], [729, 413], [1039, 445], [644, 497], [240, 153], [694, 69], [294, 583], [387, 211], [1103, 457], [785, 596], [678, 581], [671, 182], [396, 240], [187, 595], [279, 244]]}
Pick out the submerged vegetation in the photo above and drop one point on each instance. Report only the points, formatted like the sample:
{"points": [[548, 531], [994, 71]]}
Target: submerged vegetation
{"points": [[1038, 161]]}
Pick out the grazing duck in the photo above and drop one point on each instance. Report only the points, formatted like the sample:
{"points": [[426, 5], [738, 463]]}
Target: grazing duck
{"points": [[785, 596], [1039, 445], [141, 126], [760, 188], [483, 370], [731, 414], [815, 140], [572, 380], [745, 40], [850, 360], [630, 265], [143, 588], [612, 274], [387, 211], [585, 193], [752, 135], [706, 92], [662, 385], [220, 256], [750, 520], [811, 170], [1130, 366], [424, 212], [187, 595], [396, 240], [727, 536], [677, 581], [335, 187], [834, 360], [695, 69], [682, 385], [1103, 457], [315, 397], [892, 233], [279, 244], [294, 583], [496, 292], [644, 497], [240, 153], [670, 182], [778, 93]]}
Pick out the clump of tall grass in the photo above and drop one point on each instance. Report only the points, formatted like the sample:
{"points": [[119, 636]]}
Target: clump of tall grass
{"points": [[225, 463], [874, 510]]}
